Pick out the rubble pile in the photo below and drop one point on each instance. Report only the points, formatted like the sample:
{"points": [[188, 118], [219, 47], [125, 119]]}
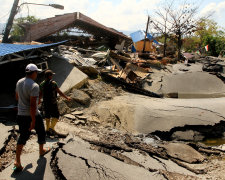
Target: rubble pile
{"points": [[129, 68]]}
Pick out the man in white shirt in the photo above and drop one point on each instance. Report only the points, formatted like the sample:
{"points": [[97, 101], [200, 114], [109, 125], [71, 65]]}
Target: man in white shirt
{"points": [[27, 93]]}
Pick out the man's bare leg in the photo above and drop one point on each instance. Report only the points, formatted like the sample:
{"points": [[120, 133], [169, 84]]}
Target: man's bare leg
{"points": [[42, 150], [19, 149]]}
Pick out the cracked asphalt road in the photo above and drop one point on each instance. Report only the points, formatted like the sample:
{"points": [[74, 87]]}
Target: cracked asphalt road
{"points": [[113, 155], [142, 114]]}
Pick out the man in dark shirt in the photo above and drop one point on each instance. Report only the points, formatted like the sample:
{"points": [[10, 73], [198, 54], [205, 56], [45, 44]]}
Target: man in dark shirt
{"points": [[49, 90]]}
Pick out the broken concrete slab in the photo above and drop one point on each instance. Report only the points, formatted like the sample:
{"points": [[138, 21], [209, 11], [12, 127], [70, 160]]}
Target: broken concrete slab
{"points": [[87, 163], [66, 128], [193, 85], [183, 152], [75, 113], [82, 117], [67, 76], [136, 113], [5, 133], [90, 71], [70, 116], [156, 163], [78, 122]]}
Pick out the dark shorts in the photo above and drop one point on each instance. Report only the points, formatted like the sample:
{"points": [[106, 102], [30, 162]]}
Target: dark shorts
{"points": [[51, 111], [24, 123]]}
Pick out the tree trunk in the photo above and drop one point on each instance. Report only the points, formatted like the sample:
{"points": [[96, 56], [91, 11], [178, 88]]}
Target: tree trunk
{"points": [[10, 22], [179, 45], [165, 45]]}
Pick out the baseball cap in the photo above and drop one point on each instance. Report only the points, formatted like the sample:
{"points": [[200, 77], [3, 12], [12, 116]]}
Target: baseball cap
{"points": [[49, 72], [32, 67]]}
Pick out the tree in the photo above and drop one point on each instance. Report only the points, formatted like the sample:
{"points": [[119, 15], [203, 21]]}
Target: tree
{"points": [[191, 43], [159, 21], [178, 19], [206, 27], [209, 33], [183, 21], [215, 43], [18, 30]]}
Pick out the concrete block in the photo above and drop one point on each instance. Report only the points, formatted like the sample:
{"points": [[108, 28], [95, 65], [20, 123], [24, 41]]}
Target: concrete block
{"points": [[67, 76]]}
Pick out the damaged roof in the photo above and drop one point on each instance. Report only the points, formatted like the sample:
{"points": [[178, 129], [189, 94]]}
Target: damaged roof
{"points": [[6, 49], [58, 23], [140, 35]]}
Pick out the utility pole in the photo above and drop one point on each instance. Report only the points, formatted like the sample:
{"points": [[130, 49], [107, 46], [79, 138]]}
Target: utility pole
{"points": [[10, 21], [146, 34]]}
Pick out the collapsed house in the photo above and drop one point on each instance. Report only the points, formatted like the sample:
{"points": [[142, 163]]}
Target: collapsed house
{"points": [[15, 57], [143, 42], [50, 26]]}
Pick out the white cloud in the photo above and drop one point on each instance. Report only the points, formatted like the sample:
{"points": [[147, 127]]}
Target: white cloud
{"points": [[125, 15], [128, 15], [218, 9]]}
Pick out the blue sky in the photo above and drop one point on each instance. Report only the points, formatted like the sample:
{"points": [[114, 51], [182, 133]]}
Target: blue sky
{"points": [[124, 15]]}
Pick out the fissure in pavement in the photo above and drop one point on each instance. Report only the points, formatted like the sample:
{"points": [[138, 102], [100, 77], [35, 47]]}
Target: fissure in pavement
{"points": [[8, 152]]}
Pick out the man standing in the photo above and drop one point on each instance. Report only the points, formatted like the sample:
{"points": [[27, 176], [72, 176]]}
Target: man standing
{"points": [[27, 92], [49, 90]]}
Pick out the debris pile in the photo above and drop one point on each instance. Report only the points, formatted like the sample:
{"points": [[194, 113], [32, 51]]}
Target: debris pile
{"points": [[127, 68]]}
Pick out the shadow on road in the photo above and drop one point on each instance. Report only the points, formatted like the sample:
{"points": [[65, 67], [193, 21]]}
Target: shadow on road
{"points": [[38, 173]]}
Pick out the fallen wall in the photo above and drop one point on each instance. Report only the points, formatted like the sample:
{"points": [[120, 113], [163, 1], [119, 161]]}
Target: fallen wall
{"points": [[67, 76]]}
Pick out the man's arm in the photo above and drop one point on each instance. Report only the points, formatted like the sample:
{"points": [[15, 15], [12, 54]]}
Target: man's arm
{"points": [[62, 94], [33, 107]]}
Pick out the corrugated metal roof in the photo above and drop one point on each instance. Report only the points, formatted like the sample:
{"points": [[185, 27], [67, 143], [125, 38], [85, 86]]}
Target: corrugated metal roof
{"points": [[140, 35], [6, 49]]}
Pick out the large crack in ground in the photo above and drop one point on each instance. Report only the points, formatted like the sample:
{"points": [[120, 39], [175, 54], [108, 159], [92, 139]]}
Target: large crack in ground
{"points": [[117, 154], [167, 174], [8, 152], [115, 151], [189, 107], [102, 171], [54, 164], [207, 131]]}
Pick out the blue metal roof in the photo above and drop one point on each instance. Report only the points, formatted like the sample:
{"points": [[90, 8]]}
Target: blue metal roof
{"points": [[140, 35], [6, 49], [137, 36]]}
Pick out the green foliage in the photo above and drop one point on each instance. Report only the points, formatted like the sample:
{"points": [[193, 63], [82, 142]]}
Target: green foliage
{"points": [[207, 33], [17, 29], [191, 43], [216, 44], [211, 34], [206, 27]]}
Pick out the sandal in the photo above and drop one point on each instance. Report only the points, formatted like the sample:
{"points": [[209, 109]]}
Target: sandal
{"points": [[46, 152], [17, 168]]}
